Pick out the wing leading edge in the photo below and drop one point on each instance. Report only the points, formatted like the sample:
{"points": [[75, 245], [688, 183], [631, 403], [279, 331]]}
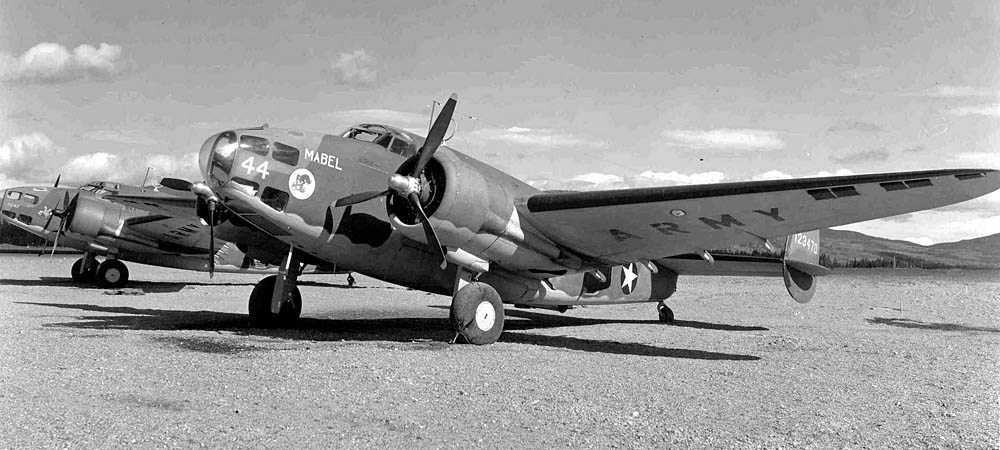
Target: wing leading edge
{"points": [[648, 223]]}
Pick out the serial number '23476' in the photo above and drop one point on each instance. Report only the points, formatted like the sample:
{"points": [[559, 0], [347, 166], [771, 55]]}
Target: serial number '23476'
{"points": [[261, 168]]}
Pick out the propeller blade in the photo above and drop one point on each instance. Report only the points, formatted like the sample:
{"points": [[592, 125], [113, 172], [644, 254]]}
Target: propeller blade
{"points": [[435, 136], [429, 232], [176, 184], [57, 211], [211, 240], [57, 180], [360, 197], [55, 242]]}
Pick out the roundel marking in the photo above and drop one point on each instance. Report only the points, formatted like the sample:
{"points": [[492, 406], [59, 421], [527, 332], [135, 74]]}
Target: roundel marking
{"points": [[302, 183], [629, 278]]}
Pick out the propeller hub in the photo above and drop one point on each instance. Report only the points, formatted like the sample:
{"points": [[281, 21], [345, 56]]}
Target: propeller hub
{"points": [[404, 185]]}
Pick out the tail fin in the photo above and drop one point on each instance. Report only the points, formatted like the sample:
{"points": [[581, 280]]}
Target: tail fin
{"points": [[801, 265]]}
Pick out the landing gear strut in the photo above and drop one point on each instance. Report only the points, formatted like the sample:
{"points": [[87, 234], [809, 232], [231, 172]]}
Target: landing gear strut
{"points": [[275, 302], [477, 313], [666, 314]]}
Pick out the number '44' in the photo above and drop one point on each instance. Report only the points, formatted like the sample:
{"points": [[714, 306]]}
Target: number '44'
{"points": [[261, 168]]}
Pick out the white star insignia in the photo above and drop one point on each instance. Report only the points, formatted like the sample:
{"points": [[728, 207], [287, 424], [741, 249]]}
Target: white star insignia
{"points": [[628, 274]]}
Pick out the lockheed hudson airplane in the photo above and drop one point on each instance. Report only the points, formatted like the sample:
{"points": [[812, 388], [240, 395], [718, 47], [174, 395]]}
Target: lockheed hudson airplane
{"points": [[82, 219], [449, 224]]}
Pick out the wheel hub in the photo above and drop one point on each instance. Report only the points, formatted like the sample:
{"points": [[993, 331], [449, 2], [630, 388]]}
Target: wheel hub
{"points": [[485, 316]]}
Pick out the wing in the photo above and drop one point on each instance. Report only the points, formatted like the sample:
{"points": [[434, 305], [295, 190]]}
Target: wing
{"points": [[644, 224], [180, 205]]}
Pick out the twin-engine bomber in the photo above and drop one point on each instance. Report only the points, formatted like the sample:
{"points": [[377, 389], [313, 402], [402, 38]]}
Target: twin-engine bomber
{"points": [[395, 206]]}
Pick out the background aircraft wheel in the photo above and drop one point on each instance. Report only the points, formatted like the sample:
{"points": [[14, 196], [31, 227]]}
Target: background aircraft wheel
{"points": [[260, 306], [350, 280], [112, 273], [477, 313], [666, 314], [84, 276]]}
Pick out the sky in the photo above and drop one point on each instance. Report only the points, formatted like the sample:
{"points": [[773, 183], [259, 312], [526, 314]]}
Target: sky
{"points": [[562, 94]]}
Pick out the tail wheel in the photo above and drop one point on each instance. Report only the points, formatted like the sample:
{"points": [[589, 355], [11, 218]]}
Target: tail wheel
{"points": [[84, 275], [260, 306], [112, 273], [666, 314], [477, 313]]}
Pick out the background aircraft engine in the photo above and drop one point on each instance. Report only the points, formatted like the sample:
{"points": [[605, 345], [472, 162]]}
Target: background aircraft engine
{"points": [[91, 217], [471, 211]]}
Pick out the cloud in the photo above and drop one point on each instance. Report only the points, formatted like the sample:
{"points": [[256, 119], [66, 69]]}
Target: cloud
{"points": [[52, 63], [543, 138], [122, 137], [650, 178], [854, 126], [986, 160], [92, 166], [356, 68], [183, 166], [23, 157], [382, 116], [976, 110], [726, 138], [947, 91], [877, 154], [779, 175]]}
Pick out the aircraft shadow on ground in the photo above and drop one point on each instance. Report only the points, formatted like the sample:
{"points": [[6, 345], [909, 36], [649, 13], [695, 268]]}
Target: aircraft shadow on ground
{"points": [[916, 324], [553, 320], [418, 331], [153, 287]]}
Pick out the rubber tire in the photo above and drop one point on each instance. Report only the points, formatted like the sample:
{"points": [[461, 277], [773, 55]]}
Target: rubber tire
{"points": [[465, 306], [666, 314], [260, 306], [112, 273], [88, 276]]}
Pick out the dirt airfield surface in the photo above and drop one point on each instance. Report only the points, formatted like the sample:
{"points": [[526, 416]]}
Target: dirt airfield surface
{"points": [[904, 359]]}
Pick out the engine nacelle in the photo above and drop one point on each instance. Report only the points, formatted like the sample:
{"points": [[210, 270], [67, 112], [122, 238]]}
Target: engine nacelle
{"points": [[92, 217], [474, 210]]}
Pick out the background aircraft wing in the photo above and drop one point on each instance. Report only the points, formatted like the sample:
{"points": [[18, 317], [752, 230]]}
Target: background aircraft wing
{"points": [[648, 223], [181, 204]]}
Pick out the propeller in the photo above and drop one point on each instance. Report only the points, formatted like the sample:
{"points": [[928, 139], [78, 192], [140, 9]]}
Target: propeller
{"points": [[407, 185], [204, 193], [65, 215]]}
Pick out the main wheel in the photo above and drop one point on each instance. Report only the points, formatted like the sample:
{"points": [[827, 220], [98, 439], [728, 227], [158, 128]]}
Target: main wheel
{"points": [[477, 313], [260, 306], [84, 275], [666, 314], [112, 273]]}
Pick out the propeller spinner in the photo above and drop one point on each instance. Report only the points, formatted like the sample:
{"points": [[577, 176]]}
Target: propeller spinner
{"points": [[407, 185]]}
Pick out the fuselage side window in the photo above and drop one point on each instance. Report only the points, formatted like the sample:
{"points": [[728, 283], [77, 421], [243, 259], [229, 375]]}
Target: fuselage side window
{"points": [[275, 198], [401, 147], [286, 154], [13, 195], [254, 144], [30, 198]]}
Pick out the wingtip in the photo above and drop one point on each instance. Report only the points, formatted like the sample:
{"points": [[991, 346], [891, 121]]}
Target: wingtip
{"points": [[454, 96]]}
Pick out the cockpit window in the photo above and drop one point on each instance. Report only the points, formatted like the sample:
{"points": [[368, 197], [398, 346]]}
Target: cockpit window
{"points": [[254, 144], [286, 154], [392, 140], [13, 195], [362, 135]]}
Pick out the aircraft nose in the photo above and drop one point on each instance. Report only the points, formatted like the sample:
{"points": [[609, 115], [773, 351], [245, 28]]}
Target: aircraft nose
{"points": [[25, 204], [216, 157]]}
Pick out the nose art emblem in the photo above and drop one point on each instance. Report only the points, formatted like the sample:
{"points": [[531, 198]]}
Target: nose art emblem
{"points": [[301, 183]]}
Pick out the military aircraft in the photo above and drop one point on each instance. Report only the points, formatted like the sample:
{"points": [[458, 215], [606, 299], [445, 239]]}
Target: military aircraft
{"points": [[82, 219], [395, 206]]}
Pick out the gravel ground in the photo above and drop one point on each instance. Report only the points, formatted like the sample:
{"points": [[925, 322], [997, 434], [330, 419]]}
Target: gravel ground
{"points": [[879, 359]]}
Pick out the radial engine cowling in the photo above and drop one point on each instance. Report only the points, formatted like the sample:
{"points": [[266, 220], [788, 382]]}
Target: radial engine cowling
{"points": [[93, 217], [471, 207]]}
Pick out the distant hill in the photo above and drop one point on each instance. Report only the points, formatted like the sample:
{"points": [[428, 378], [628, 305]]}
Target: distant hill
{"points": [[842, 247]]}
